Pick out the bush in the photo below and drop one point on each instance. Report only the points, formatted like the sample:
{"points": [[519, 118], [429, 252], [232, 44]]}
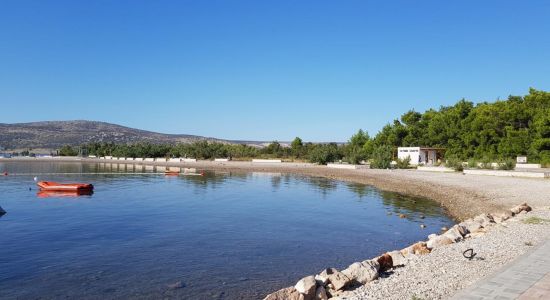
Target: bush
{"points": [[472, 163], [545, 159], [382, 157], [68, 151], [323, 154], [355, 155], [486, 164], [404, 163], [455, 163], [507, 164]]}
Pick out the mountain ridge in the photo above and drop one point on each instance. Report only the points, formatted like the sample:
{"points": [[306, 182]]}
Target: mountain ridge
{"points": [[55, 134]]}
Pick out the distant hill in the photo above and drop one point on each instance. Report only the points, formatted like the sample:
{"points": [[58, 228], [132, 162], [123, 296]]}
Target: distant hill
{"points": [[55, 134]]}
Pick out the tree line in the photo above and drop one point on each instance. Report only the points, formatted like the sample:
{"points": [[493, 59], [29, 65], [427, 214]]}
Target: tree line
{"points": [[298, 150], [504, 129]]}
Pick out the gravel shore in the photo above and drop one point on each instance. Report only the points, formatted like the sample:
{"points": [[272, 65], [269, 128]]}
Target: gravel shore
{"points": [[444, 271]]}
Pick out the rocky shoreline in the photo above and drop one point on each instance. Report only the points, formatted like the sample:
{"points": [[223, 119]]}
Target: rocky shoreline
{"points": [[401, 274]]}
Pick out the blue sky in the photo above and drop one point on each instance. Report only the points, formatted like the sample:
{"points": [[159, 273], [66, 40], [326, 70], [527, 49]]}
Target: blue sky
{"points": [[264, 70]]}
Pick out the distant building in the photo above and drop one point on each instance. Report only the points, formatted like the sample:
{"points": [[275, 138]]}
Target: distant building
{"points": [[420, 155]]}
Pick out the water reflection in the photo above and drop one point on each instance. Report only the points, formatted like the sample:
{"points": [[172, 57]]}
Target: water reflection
{"points": [[60, 194]]}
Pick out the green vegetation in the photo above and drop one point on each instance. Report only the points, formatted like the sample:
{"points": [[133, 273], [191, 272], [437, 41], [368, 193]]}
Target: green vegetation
{"points": [[403, 163], [486, 131], [535, 220], [507, 164], [323, 154], [67, 151], [382, 157], [455, 163], [480, 134]]}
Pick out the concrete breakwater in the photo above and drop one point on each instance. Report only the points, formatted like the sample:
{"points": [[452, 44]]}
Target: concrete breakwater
{"points": [[334, 284]]}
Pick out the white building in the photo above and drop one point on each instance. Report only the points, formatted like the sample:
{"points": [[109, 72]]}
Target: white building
{"points": [[419, 155]]}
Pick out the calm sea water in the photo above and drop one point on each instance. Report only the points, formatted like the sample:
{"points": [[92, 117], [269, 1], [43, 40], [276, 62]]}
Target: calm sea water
{"points": [[222, 235]]}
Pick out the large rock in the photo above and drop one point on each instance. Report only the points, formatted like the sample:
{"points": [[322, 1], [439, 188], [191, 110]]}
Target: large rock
{"points": [[385, 261], [471, 226], [362, 272], [501, 217], [420, 248], [522, 207], [455, 234], [484, 220], [289, 293], [321, 280], [306, 286], [398, 258], [321, 293], [461, 229], [439, 241], [336, 278]]}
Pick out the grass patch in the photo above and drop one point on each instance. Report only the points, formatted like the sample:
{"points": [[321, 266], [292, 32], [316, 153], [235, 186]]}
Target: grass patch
{"points": [[535, 220]]}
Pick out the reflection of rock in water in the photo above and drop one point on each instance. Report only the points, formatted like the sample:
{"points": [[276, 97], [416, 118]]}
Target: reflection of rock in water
{"points": [[2, 211]]}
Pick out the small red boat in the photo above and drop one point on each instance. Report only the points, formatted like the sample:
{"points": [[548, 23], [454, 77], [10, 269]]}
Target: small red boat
{"points": [[64, 187]]}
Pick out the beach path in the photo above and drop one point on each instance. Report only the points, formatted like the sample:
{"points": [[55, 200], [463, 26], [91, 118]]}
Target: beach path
{"points": [[526, 278]]}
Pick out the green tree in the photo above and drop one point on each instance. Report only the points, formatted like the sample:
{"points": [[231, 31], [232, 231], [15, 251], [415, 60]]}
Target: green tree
{"points": [[68, 151], [297, 147], [382, 157]]}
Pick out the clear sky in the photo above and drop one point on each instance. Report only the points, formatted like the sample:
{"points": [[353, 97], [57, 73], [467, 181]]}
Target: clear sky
{"points": [[264, 70]]}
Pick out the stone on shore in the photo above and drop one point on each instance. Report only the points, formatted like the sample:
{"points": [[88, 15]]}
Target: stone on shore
{"points": [[336, 278], [321, 293], [306, 286], [398, 258], [471, 226], [385, 261], [420, 248], [321, 280], [461, 229], [439, 241], [484, 220], [499, 218], [522, 207], [455, 234], [289, 293], [362, 272]]}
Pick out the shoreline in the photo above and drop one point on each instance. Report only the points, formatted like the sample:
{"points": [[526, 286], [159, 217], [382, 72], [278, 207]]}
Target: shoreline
{"points": [[462, 196], [442, 271]]}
